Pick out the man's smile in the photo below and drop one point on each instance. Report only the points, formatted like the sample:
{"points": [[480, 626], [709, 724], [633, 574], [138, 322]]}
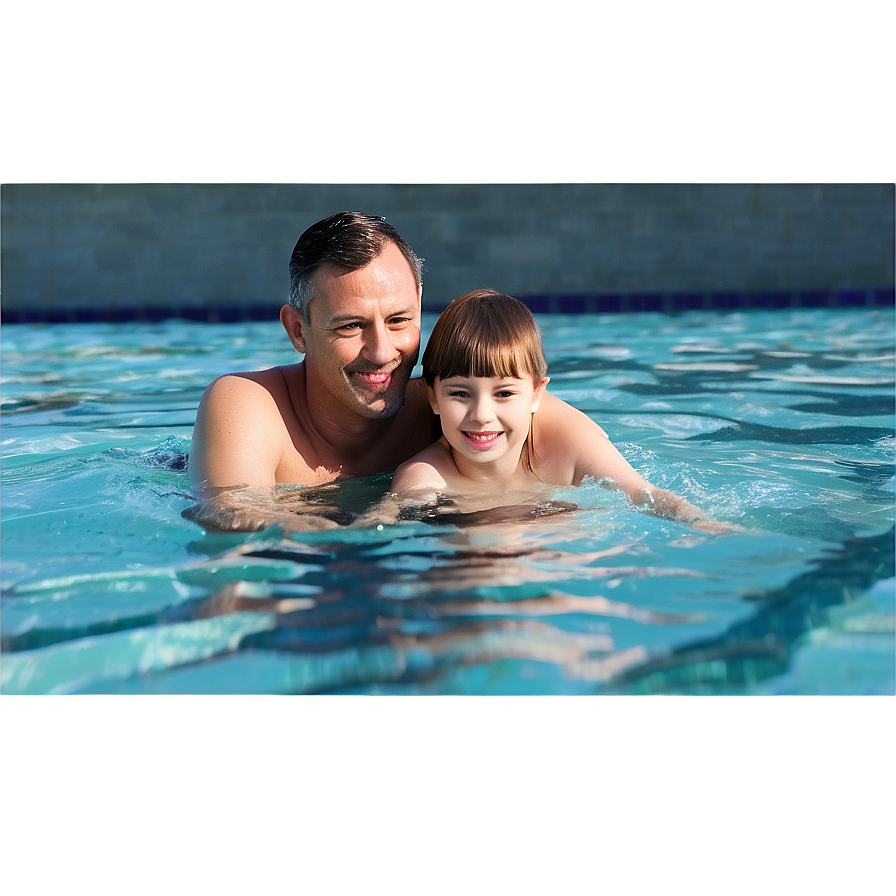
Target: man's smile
{"points": [[373, 379]]}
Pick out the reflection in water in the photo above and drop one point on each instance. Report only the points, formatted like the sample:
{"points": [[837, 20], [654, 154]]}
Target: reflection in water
{"points": [[546, 588], [475, 596]]}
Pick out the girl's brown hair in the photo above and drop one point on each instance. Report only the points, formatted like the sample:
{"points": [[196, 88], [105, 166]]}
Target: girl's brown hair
{"points": [[485, 333]]}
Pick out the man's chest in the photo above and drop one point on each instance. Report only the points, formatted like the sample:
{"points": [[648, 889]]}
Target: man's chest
{"points": [[306, 463]]}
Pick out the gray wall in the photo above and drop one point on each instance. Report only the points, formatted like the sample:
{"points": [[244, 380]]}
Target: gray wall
{"points": [[200, 246]]}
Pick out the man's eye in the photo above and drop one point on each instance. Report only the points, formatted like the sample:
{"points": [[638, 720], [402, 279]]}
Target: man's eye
{"points": [[345, 327]]}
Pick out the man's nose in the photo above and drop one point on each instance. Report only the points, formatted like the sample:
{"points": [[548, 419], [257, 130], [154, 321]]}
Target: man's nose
{"points": [[379, 347]]}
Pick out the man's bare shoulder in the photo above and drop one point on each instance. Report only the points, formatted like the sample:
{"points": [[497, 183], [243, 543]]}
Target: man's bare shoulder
{"points": [[241, 416], [248, 383], [251, 397]]}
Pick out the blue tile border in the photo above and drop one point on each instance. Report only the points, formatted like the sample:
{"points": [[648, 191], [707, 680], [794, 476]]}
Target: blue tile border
{"points": [[561, 303]]}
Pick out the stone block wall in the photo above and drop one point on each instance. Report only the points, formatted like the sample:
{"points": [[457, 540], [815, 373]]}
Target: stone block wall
{"points": [[221, 251]]}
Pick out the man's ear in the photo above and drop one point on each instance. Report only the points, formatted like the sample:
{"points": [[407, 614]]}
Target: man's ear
{"points": [[294, 324], [539, 393]]}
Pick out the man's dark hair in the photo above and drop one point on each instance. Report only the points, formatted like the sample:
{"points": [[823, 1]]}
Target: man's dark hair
{"points": [[349, 240]]}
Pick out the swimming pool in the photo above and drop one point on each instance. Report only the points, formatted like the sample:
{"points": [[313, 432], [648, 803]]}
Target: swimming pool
{"points": [[779, 421]]}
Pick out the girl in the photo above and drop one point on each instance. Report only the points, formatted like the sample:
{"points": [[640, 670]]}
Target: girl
{"points": [[504, 438]]}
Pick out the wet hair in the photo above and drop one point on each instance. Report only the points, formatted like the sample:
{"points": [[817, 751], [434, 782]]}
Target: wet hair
{"points": [[485, 333], [349, 240]]}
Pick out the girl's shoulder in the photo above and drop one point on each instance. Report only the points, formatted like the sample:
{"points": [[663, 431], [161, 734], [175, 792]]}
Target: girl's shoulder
{"points": [[564, 420], [566, 442], [427, 469]]}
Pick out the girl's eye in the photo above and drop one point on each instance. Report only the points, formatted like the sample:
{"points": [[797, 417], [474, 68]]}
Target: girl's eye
{"points": [[504, 393], [458, 393]]}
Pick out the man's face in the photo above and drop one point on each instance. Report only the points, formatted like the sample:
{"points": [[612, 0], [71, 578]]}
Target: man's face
{"points": [[363, 336]]}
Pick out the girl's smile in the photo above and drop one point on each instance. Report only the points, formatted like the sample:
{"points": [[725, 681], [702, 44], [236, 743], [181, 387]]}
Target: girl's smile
{"points": [[483, 439]]}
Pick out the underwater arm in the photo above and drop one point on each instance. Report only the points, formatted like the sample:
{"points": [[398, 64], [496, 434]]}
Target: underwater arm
{"points": [[243, 509]]}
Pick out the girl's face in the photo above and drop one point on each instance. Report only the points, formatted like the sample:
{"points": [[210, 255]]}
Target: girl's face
{"points": [[486, 420]]}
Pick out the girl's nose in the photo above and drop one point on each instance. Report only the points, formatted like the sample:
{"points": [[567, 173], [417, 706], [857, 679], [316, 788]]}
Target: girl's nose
{"points": [[481, 411]]}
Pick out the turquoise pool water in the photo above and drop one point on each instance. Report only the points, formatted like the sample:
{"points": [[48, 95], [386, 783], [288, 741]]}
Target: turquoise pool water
{"points": [[782, 422]]}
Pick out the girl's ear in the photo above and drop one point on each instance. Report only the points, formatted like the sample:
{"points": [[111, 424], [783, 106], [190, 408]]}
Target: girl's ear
{"points": [[294, 324], [431, 395], [539, 393]]}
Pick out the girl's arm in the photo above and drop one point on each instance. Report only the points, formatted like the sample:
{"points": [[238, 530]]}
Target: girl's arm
{"points": [[573, 446]]}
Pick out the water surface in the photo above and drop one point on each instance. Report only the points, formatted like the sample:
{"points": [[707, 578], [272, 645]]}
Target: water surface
{"points": [[781, 422]]}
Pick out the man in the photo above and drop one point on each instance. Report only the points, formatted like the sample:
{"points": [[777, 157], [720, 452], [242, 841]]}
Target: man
{"points": [[347, 409], [350, 408]]}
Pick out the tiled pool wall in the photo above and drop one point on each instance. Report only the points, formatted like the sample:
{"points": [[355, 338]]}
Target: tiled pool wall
{"points": [[118, 252]]}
